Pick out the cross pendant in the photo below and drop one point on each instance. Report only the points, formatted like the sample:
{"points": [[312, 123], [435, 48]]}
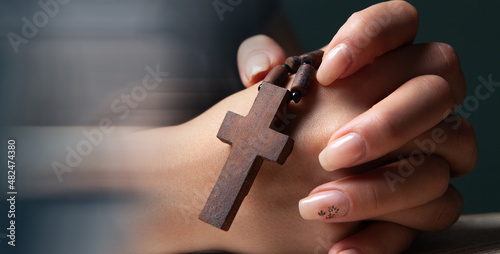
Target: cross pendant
{"points": [[253, 138]]}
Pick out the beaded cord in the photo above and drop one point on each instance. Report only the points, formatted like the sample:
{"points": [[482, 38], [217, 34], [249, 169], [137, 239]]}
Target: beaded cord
{"points": [[304, 67]]}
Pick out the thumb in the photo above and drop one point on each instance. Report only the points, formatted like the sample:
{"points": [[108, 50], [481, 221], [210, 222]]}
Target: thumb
{"points": [[257, 55]]}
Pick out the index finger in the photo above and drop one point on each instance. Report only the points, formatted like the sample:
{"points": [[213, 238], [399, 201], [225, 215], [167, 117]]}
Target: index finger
{"points": [[366, 35]]}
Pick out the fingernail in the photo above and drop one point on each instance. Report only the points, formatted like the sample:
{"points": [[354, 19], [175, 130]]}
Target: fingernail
{"points": [[350, 251], [342, 152], [324, 205], [256, 64], [334, 64]]}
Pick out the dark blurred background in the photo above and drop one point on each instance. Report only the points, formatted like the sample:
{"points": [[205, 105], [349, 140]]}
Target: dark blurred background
{"points": [[88, 53]]}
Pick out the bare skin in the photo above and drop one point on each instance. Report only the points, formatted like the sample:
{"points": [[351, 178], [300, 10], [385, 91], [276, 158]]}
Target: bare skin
{"points": [[398, 95], [268, 221], [424, 84], [182, 163]]}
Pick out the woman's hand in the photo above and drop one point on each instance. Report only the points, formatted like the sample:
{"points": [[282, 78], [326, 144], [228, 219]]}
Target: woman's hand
{"points": [[394, 101]]}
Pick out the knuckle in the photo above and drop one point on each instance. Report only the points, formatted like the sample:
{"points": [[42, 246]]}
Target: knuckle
{"points": [[441, 88], [357, 22], [367, 199], [384, 122], [448, 54], [406, 9], [439, 175], [356, 18], [467, 143], [449, 66], [363, 28], [448, 212], [376, 200]]}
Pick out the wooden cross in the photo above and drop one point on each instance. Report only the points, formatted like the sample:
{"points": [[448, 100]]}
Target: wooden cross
{"points": [[253, 138]]}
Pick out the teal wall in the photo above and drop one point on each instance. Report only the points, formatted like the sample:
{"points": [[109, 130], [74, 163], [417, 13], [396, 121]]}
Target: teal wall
{"points": [[473, 29]]}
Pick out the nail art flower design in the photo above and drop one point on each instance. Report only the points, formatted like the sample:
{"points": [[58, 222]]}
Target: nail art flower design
{"points": [[332, 211]]}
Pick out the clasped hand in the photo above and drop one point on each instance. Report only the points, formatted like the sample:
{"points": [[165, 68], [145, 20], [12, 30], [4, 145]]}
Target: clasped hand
{"points": [[381, 124]]}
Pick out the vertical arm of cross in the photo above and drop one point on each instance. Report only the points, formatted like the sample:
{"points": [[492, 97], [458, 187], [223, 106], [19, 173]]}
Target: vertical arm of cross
{"points": [[232, 186]]}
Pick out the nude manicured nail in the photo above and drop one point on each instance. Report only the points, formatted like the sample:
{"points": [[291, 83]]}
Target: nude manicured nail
{"points": [[342, 152], [350, 251], [324, 205], [334, 64], [256, 64]]}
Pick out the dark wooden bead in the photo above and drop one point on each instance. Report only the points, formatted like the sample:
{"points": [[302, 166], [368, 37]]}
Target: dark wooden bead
{"points": [[293, 63], [313, 58], [303, 79], [277, 76], [295, 97]]}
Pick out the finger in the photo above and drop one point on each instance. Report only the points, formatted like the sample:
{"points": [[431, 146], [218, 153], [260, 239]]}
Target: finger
{"points": [[434, 58], [376, 81], [434, 216], [405, 184], [366, 35], [413, 108], [377, 237], [256, 57], [453, 139]]}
